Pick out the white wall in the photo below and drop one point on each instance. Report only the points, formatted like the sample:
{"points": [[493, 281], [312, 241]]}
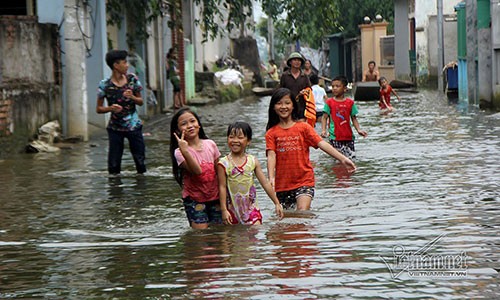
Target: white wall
{"points": [[401, 40], [96, 64], [449, 43], [424, 9], [50, 11], [208, 52]]}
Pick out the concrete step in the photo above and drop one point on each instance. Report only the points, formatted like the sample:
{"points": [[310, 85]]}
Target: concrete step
{"points": [[247, 73]]}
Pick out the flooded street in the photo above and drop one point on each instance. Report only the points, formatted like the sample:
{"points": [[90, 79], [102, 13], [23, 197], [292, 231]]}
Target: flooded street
{"points": [[427, 172]]}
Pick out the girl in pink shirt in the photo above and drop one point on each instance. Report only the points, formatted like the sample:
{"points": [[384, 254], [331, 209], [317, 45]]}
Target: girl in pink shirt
{"points": [[194, 160]]}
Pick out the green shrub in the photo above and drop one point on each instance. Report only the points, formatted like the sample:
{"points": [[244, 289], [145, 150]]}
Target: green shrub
{"points": [[229, 93]]}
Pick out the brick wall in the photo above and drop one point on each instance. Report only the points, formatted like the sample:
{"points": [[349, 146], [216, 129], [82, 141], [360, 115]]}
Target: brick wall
{"points": [[30, 91], [178, 44]]}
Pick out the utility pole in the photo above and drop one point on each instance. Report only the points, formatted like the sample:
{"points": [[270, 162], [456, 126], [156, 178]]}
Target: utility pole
{"points": [[440, 51], [75, 81]]}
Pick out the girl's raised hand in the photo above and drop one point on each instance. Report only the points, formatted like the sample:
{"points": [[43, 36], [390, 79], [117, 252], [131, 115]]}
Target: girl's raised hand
{"points": [[183, 144]]}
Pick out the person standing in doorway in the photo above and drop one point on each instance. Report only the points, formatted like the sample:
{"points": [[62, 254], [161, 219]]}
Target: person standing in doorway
{"points": [[122, 92], [173, 75], [371, 74]]}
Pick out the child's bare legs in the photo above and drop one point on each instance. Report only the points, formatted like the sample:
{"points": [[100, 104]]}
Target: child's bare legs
{"points": [[304, 202], [177, 100], [182, 101], [201, 214], [199, 226], [300, 198]]}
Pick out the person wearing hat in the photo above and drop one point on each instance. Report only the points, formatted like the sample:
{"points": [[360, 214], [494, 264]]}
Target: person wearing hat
{"points": [[294, 78]]}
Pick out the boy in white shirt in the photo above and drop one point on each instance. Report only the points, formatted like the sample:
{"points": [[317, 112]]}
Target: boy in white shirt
{"points": [[319, 95]]}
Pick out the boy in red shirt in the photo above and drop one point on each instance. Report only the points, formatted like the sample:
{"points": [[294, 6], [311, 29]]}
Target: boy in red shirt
{"points": [[385, 94], [339, 111]]}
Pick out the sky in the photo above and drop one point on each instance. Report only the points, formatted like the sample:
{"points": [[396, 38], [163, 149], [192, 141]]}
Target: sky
{"points": [[257, 11]]}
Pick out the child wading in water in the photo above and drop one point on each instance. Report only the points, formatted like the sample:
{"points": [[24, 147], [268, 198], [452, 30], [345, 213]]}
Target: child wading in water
{"points": [[287, 147], [194, 158], [122, 92], [339, 111], [385, 94], [235, 171]]}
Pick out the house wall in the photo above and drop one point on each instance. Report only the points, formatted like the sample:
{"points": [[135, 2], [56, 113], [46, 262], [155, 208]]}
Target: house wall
{"points": [[30, 48], [401, 40], [472, 67], [30, 79], [207, 53], [370, 42], [97, 68], [449, 43], [166, 99], [155, 63], [495, 34], [424, 9], [50, 11]]}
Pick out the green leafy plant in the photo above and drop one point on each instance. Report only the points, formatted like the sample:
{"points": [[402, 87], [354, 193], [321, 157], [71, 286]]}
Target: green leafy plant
{"points": [[139, 13], [231, 13], [309, 21]]}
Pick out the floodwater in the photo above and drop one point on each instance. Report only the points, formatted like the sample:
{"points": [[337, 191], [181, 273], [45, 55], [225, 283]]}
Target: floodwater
{"points": [[419, 219]]}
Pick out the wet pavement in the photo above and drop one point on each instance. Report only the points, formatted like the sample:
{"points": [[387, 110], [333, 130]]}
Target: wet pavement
{"points": [[418, 219]]}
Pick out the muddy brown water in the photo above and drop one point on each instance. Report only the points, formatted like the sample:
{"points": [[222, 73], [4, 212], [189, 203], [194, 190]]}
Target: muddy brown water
{"points": [[425, 198]]}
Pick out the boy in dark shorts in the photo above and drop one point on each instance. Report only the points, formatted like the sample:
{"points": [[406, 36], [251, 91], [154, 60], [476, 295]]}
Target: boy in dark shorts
{"points": [[339, 111]]}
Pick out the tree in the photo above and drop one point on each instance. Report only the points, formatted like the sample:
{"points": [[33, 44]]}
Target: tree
{"points": [[311, 20], [305, 20], [261, 27], [139, 13], [355, 10], [235, 14]]}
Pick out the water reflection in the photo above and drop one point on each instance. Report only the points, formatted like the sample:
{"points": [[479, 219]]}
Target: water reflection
{"points": [[117, 185], [210, 260], [342, 176], [115, 190], [296, 251]]}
